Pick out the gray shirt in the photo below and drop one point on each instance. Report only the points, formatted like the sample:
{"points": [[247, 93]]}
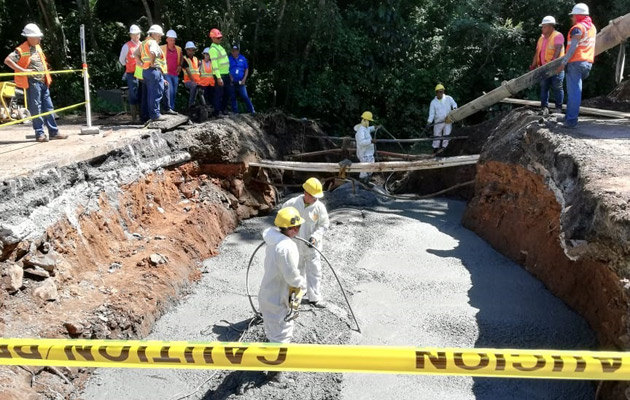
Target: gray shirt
{"points": [[36, 63]]}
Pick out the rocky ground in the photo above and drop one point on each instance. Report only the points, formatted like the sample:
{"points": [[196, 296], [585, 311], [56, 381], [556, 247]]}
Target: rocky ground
{"points": [[414, 276]]}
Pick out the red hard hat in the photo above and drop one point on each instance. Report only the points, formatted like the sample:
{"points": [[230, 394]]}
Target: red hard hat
{"points": [[215, 33]]}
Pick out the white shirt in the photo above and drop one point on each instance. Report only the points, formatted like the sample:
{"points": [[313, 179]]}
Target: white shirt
{"points": [[363, 138], [315, 217], [439, 109]]}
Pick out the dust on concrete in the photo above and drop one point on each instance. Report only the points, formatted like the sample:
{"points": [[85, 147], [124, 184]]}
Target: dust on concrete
{"points": [[415, 276]]}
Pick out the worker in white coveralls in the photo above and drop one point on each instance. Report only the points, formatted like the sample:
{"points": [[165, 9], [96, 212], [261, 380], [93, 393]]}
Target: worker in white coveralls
{"points": [[365, 143], [316, 224], [439, 109], [282, 276]]}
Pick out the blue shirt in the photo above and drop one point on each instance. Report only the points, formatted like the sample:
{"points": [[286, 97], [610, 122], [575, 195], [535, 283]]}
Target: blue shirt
{"points": [[237, 67]]}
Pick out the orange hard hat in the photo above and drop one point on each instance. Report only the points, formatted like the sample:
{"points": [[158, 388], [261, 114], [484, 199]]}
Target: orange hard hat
{"points": [[215, 33]]}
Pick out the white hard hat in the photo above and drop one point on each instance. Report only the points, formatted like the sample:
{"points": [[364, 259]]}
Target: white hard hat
{"points": [[134, 30], [32, 30], [548, 20], [579, 9], [172, 34], [156, 29], [206, 50], [190, 45]]}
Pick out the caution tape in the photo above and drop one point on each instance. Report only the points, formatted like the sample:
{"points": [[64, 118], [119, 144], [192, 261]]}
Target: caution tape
{"points": [[19, 121], [500, 363], [32, 73]]}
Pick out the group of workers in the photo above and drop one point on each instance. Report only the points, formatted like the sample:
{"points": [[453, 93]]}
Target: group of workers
{"points": [[152, 73], [293, 269], [576, 64]]}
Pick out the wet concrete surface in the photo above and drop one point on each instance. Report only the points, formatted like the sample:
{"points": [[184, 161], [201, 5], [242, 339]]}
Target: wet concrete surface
{"points": [[415, 276]]}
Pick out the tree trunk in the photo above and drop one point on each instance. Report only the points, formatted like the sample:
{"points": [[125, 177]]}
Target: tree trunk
{"points": [[282, 6], [59, 52], [147, 10], [157, 12], [86, 15]]}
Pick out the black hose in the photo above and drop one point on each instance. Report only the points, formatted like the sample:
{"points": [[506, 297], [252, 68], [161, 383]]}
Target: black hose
{"points": [[249, 296]]}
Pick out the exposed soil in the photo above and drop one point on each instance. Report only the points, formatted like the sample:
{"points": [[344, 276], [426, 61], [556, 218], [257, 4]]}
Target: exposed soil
{"points": [[556, 202]]}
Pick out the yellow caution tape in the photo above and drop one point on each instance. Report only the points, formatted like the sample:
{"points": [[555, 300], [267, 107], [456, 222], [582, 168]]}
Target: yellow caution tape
{"points": [[19, 121], [500, 363], [66, 71]]}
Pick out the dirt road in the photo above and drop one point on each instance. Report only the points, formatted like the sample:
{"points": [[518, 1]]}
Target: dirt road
{"points": [[416, 277]]}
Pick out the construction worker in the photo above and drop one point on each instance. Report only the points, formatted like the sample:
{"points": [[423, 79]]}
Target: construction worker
{"points": [[173, 55], [439, 109], [153, 61], [578, 60], [314, 213], [365, 143], [206, 77], [221, 70], [239, 71], [281, 277], [190, 65], [549, 47], [29, 57], [128, 60]]}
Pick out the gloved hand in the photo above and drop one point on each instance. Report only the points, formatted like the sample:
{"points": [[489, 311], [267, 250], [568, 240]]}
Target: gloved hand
{"points": [[428, 125], [448, 119], [373, 140], [313, 241], [295, 297]]}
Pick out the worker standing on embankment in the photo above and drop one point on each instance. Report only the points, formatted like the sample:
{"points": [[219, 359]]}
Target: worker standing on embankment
{"points": [[550, 46], [440, 106], [316, 223]]}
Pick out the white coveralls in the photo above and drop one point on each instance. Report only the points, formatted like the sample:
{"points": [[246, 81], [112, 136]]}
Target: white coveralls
{"points": [[281, 272], [315, 225], [438, 111], [365, 147]]}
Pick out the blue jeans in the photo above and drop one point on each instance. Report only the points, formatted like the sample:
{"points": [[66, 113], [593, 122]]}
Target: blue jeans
{"points": [[554, 83], [576, 72], [132, 89], [39, 101], [192, 86], [241, 90], [173, 81], [154, 81], [144, 101], [219, 93]]}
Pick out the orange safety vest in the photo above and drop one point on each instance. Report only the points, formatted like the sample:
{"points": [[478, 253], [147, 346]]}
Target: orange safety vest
{"points": [[193, 67], [145, 56], [130, 64], [206, 77], [24, 50], [551, 48], [586, 46], [179, 54]]}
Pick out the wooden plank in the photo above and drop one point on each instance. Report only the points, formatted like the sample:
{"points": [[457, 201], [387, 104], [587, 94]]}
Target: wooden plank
{"points": [[338, 151], [583, 110], [415, 140], [391, 166]]}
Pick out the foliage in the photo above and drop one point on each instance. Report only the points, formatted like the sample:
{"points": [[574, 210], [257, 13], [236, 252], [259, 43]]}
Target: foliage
{"points": [[329, 59]]}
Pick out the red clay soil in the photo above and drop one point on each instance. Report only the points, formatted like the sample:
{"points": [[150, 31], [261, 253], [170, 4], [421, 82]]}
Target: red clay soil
{"points": [[107, 284]]}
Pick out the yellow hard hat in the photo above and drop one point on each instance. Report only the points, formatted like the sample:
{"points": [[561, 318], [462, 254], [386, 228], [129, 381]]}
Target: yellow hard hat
{"points": [[367, 115], [313, 187], [439, 87], [288, 217]]}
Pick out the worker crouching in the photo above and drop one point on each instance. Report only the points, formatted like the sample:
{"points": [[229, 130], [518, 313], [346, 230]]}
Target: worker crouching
{"points": [[282, 277], [316, 223]]}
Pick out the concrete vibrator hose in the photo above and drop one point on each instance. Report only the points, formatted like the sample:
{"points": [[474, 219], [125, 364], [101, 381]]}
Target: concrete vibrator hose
{"points": [[251, 260]]}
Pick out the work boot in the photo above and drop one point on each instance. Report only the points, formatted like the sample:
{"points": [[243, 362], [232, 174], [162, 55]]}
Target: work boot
{"points": [[160, 118], [545, 111], [170, 112], [59, 136], [42, 138], [558, 110], [318, 304]]}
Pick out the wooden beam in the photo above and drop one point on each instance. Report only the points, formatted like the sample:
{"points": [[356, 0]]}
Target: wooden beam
{"points": [[338, 151], [583, 110], [391, 166], [427, 139]]}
